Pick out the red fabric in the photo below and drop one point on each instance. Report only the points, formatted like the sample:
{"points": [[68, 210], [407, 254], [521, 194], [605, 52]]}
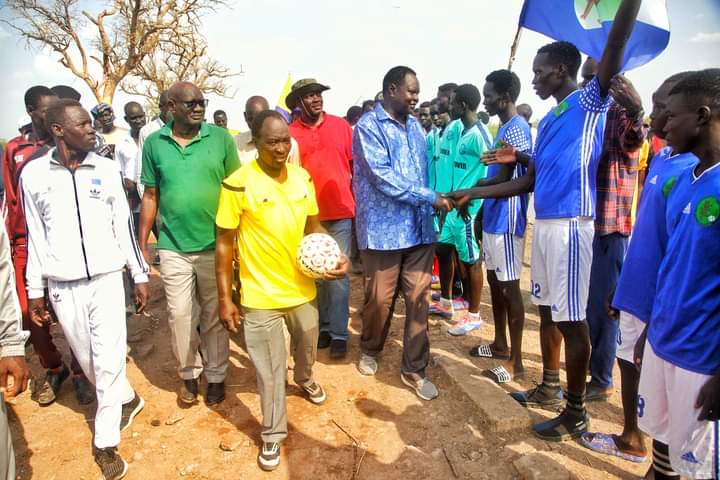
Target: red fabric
{"points": [[617, 172], [17, 153], [326, 153]]}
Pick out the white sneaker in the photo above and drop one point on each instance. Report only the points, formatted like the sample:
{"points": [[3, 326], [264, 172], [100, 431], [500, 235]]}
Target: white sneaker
{"points": [[465, 326], [269, 456], [367, 365]]}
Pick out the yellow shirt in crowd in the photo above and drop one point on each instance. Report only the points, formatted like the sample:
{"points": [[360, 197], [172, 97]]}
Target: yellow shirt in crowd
{"points": [[270, 220]]}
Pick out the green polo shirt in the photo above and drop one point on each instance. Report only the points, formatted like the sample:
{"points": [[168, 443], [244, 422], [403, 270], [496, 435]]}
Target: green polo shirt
{"points": [[188, 182]]}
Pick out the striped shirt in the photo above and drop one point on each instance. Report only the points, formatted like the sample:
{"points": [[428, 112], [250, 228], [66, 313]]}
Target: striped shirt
{"points": [[567, 152]]}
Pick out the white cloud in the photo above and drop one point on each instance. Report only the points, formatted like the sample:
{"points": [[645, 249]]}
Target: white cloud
{"points": [[4, 34], [704, 37]]}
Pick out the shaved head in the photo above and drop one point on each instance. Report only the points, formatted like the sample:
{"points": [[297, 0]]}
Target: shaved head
{"points": [[258, 103], [253, 106], [182, 90]]}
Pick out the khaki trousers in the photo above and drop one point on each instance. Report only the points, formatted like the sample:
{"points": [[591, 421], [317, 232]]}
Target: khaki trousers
{"points": [[388, 273], [265, 343], [196, 331]]}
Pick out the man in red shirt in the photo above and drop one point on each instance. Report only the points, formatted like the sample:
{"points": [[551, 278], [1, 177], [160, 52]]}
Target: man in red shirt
{"points": [[18, 152], [325, 143]]}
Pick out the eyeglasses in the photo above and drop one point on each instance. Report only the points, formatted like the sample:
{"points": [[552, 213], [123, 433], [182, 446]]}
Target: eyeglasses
{"points": [[191, 104]]}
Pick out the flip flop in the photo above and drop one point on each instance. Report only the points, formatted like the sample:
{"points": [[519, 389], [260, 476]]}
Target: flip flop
{"points": [[604, 443], [498, 374], [484, 351]]}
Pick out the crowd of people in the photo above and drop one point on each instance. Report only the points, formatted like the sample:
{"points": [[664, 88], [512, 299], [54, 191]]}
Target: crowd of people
{"points": [[625, 259]]}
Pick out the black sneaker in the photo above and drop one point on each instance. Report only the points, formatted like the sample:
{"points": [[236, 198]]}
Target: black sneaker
{"points": [[538, 396], [111, 464], [189, 391], [47, 393], [315, 393], [84, 390], [324, 340], [130, 411], [563, 427], [269, 456], [338, 348], [215, 393]]}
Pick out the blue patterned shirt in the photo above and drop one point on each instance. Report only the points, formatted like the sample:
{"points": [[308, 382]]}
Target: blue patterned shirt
{"points": [[394, 203]]}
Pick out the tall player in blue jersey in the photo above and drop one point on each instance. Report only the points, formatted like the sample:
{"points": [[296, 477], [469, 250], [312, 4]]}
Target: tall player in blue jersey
{"points": [[679, 401], [504, 222], [635, 289], [563, 173]]}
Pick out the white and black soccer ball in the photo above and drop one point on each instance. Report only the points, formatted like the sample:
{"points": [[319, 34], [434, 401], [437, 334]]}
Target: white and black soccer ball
{"points": [[318, 253]]}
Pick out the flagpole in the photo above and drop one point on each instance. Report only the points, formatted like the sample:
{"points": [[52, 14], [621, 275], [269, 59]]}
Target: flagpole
{"points": [[513, 49]]}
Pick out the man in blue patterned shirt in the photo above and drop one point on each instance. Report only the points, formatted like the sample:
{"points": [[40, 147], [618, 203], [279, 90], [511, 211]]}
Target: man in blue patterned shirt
{"points": [[394, 226]]}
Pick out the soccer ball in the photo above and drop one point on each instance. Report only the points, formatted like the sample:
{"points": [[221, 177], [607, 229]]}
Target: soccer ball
{"points": [[318, 253]]}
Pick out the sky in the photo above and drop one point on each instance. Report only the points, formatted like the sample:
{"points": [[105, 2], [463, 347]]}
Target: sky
{"points": [[349, 45]]}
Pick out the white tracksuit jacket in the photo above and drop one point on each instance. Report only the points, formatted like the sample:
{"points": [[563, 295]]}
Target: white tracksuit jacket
{"points": [[79, 223]]}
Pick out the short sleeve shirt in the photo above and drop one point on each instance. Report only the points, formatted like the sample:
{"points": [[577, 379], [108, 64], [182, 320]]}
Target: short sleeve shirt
{"points": [[446, 151], [567, 152], [188, 180], [635, 290], [467, 167], [509, 215], [684, 327], [326, 153], [270, 220]]}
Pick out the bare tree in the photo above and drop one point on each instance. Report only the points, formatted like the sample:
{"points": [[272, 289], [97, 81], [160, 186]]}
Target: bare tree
{"points": [[122, 35], [181, 56]]}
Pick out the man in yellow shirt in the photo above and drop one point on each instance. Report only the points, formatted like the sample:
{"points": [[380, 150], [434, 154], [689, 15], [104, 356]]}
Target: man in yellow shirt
{"points": [[269, 205]]}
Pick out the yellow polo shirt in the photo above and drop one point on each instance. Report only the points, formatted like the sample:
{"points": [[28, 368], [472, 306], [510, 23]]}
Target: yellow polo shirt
{"points": [[270, 220]]}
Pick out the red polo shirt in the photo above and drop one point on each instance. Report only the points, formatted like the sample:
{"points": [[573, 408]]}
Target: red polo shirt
{"points": [[326, 153], [17, 153]]}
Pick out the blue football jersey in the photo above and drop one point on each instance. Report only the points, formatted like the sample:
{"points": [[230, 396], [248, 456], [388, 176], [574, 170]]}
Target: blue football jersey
{"points": [[685, 322], [635, 290], [509, 215], [567, 152]]}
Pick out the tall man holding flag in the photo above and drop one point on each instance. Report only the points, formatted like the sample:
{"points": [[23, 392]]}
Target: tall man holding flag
{"points": [[562, 173]]}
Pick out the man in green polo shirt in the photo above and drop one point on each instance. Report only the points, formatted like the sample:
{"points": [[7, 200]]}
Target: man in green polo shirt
{"points": [[183, 166]]}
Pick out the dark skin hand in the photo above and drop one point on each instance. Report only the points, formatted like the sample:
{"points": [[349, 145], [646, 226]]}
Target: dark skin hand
{"points": [[141, 297], [230, 315], [39, 314], [16, 368], [505, 174], [708, 400], [639, 350], [624, 93], [611, 312]]}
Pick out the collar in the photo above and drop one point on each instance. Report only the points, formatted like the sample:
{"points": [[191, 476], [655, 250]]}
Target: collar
{"points": [[90, 160], [166, 130], [312, 127], [27, 139]]}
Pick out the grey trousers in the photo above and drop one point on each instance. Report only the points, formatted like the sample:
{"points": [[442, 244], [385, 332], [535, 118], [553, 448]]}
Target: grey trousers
{"points": [[266, 346], [7, 454], [191, 292]]}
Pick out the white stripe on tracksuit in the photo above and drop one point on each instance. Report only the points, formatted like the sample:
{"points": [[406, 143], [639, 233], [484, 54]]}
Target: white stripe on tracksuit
{"points": [[80, 237]]}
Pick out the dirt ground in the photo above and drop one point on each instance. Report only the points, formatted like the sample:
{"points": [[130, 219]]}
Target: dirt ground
{"points": [[373, 428]]}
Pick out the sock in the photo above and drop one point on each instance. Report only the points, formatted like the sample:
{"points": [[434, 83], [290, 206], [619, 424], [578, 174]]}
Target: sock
{"points": [[474, 317], [446, 303], [661, 462], [576, 404], [551, 379]]}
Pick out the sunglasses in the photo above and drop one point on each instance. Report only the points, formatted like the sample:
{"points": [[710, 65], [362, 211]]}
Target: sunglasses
{"points": [[191, 104]]}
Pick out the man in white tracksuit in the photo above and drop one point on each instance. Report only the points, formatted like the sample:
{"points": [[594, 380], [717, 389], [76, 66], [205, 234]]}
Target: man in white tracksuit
{"points": [[80, 237]]}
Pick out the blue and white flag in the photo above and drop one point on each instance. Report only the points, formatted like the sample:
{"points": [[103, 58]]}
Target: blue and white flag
{"points": [[587, 23]]}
